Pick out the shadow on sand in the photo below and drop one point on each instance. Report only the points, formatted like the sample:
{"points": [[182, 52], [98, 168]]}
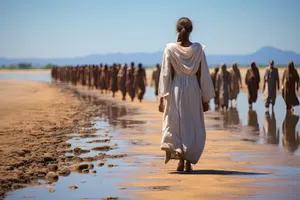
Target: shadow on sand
{"points": [[218, 172]]}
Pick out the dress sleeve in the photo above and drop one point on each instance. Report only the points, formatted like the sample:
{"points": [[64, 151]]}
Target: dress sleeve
{"points": [[165, 79], [207, 87]]}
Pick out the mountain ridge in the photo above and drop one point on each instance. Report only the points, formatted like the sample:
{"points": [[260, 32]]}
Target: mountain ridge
{"points": [[261, 57]]}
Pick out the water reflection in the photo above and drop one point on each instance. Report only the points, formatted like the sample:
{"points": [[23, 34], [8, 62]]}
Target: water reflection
{"points": [[233, 117], [270, 130], [252, 121], [111, 112], [290, 139]]}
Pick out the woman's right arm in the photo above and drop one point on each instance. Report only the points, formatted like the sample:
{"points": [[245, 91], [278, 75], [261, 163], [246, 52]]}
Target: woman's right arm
{"points": [[165, 79]]}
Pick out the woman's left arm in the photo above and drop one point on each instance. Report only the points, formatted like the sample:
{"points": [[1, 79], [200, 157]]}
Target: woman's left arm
{"points": [[206, 84]]}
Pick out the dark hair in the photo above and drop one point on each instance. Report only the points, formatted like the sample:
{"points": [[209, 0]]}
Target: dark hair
{"points": [[184, 27], [290, 67], [291, 64]]}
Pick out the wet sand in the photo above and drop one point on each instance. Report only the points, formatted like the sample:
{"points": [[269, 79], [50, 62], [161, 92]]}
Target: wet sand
{"points": [[35, 121], [24, 71], [230, 168]]}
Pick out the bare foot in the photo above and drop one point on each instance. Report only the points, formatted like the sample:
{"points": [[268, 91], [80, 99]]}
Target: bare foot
{"points": [[180, 166], [188, 167]]}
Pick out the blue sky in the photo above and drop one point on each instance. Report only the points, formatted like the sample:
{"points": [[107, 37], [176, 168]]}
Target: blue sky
{"points": [[69, 28]]}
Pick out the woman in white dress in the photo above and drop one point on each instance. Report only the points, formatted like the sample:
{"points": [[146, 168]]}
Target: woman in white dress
{"points": [[185, 88]]}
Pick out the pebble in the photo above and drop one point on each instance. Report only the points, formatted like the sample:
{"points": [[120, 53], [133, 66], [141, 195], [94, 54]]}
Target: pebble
{"points": [[111, 198], [52, 167], [73, 187], [64, 172], [28, 197], [101, 164], [111, 165], [80, 167], [91, 166], [51, 177], [101, 148]]}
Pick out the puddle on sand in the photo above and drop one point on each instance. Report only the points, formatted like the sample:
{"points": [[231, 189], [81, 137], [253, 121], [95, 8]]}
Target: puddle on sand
{"points": [[105, 182], [44, 77], [272, 128], [287, 188]]}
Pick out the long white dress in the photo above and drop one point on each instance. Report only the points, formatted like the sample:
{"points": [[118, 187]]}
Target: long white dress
{"points": [[183, 120]]}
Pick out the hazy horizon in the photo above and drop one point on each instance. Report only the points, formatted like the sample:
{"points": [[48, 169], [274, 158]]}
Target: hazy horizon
{"points": [[73, 28]]}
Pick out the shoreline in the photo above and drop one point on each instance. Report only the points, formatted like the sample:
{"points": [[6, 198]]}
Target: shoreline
{"points": [[225, 154], [228, 162]]}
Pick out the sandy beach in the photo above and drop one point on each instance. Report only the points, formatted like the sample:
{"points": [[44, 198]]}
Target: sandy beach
{"points": [[41, 115], [35, 119], [230, 168]]}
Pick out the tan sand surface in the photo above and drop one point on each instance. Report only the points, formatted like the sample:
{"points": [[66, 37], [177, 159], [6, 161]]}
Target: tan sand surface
{"points": [[229, 168], [34, 120], [224, 171]]}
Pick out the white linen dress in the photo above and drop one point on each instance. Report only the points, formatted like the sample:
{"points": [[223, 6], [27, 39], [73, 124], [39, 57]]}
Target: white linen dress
{"points": [[183, 120]]}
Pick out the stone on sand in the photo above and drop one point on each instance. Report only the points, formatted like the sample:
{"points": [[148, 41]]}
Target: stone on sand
{"points": [[79, 167], [52, 167], [102, 148], [73, 187], [64, 172], [51, 177], [100, 164]]}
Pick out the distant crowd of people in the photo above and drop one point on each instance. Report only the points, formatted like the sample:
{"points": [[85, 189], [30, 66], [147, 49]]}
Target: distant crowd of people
{"points": [[227, 85], [129, 81], [132, 81]]}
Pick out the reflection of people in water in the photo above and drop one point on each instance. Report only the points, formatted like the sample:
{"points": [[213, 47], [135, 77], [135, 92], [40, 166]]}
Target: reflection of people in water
{"points": [[270, 130], [291, 138], [252, 120], [231, 118]]}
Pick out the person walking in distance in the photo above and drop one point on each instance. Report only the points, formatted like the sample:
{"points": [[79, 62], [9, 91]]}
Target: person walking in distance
{"points": [[252, 80], [122, 81], [140, 81], [155, 79], [223, 86], [130, 81], [213, 76], [114, 79], [236, 83], [270, 85], [290, 83]]}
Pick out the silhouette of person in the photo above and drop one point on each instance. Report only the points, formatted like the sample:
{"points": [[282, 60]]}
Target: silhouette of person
{"points": [[270, 130], [290, 139]]}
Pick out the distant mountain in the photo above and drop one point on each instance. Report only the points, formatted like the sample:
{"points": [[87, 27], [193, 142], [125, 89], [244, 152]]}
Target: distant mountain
{"points": [[262, 56]]}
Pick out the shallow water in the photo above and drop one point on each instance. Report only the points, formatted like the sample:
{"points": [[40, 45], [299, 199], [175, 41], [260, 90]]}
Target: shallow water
{"points": [[26, 76], [259, 126], [106, 182], [255, 126]]}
